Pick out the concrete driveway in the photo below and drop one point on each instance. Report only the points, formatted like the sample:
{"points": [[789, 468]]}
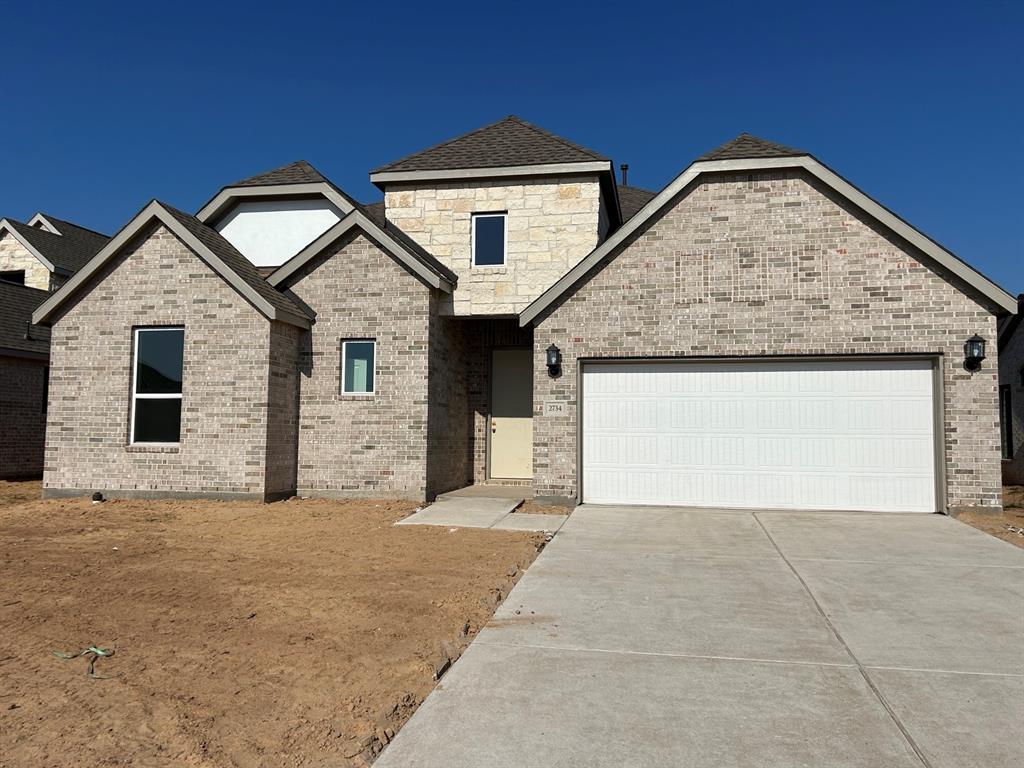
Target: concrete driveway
{"points": [[669, 637]]}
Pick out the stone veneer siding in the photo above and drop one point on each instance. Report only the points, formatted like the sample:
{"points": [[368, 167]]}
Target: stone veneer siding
{"points": [[552, 224], [770, 264], [226, 392], [14, 256], [1011, 370], [22, 414], [358, 445]]}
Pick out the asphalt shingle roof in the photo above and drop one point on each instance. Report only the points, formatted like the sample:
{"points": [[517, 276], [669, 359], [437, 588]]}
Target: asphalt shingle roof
{"points": [[375, 213], [17, 302], [299, 172], [632, 199], [509, 142], [746, 146], [236, 262], [68, 251]]}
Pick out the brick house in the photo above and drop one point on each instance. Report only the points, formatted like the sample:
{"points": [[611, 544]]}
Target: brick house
{"points": [[1011, 396], [35, 259], [759, 333]]}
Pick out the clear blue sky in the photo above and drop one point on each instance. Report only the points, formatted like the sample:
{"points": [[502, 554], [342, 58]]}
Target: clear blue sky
{"points": [[107, 105]]}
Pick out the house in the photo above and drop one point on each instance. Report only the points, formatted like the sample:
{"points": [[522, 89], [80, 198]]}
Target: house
{"points": [[759, 333], [1011, 395], [35, 259]]}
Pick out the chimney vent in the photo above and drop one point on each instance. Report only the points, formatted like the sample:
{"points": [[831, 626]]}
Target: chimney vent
{"points": [[625, 174]]}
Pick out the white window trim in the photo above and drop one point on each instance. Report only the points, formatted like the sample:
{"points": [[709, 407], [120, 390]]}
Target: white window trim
{"points": [[472, 232], [138, 396], [373, 377]]}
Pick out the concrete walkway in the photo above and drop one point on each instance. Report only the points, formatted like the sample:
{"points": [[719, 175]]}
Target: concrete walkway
{"points": [[483, 512], [654, 637]]}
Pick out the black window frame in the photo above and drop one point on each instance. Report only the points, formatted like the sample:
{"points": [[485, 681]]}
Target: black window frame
{"points": [[137, 333], [474, 218]]}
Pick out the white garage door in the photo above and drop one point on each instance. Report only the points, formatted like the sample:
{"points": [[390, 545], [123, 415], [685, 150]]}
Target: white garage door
{"points": [[781, 435]]}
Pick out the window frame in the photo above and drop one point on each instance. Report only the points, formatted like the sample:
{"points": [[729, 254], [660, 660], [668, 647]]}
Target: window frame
{"points": [[373, 372], [474, 217], [155, 396], [1006, 421]]}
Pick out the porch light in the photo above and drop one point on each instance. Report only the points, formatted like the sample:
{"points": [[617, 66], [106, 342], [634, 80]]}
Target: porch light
{"points": [[974, 352], [554, 360]]}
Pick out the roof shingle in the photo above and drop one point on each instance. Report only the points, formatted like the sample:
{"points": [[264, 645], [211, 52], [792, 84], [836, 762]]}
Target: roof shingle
{"points": [[17, 303], [68, 251], [299, 172], [746, 146], [509, 142], [632, 199]]}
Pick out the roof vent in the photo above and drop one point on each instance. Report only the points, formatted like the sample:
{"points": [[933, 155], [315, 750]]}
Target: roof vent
{"points": [[625, 174]]}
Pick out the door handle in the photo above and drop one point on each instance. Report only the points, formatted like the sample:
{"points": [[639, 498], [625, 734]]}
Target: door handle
{"points": [[494, 426]]}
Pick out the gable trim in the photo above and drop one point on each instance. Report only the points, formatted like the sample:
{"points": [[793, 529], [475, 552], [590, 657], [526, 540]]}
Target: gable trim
{"points": [[357, 219], [5, 226], [47, 225], [391, 177], [229, 195], [995, 298], [154, 211]]}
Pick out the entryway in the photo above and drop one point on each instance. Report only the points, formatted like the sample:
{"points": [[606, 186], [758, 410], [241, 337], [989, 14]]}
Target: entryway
{"points": [[510, 442]]}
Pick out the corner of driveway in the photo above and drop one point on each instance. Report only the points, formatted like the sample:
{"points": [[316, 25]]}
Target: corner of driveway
{"points": [[671, 637]]}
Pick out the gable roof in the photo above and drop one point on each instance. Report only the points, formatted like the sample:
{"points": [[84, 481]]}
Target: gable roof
{"points": [[64, 253], [371, 219], [970, 281], [17, 302], [299, 172], [510, 141], [632, 199], [746, 146], [207, 244]]}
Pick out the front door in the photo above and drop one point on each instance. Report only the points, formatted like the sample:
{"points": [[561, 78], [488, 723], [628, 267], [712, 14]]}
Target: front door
{"points": [[512, 414]]}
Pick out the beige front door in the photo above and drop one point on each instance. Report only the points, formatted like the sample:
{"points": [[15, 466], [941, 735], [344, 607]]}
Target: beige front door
{"points": [[512, 413]]}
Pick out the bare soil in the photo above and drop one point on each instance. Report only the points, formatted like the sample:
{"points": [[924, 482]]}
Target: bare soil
{"points": [[532, 507], [1007, 525], [301, 633]]}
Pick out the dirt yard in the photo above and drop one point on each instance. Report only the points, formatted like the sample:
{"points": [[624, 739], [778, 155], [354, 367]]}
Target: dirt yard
{"points": [[302, 633], [1007, 525]]}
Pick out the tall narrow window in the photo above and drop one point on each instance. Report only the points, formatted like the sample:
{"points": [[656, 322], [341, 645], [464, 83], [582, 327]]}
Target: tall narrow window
{"points": [[489, 239], [357, 366], [156, 387], [1006, 421]]}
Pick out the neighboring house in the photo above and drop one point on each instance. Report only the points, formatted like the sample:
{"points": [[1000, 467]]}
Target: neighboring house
{"points": [[759, 333], [35, 259], [1011, 395]]}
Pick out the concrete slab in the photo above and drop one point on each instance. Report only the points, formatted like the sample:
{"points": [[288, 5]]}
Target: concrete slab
{"points": [[528, 521], [536, 708], [667, 530], [956, 618], [756, 609], [958, 720], [900, 538], [463, 512], [490, 492]]}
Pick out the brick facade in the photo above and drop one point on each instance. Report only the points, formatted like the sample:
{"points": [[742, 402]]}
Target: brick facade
{"points": [[770, 264], [552, 224], [22, 414], [15, 256], [228, 401], [1011, 373]]}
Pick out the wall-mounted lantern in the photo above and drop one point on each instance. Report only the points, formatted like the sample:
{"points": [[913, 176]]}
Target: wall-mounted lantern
{"points": [[554, 360], [974, 352]]}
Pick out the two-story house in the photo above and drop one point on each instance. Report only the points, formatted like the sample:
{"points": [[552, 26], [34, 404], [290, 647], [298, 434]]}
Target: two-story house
{"points": [[759, 333], [35, 259]]}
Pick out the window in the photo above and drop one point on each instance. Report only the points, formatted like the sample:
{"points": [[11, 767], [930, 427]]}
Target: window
{"points": [[13, 276], [489, 239], [46, 387], [357, 366], [156, 386], [1006, 421]]}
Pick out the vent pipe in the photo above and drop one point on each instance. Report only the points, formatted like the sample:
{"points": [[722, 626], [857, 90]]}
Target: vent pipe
{"points": [[625, 174]]}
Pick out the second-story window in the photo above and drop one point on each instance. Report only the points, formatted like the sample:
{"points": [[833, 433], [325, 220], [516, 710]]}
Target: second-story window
{"points": [[489, 239]]}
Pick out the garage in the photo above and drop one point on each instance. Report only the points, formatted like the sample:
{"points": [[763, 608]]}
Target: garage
{"points": [[807, 434]]}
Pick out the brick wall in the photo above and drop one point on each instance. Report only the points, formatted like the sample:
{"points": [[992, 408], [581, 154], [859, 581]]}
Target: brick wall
{"points": [[283, 409], [552, 224], [22, 384], [450, 423], [770, 264], [13, 255], [223, 450], [1011, 370], [352, 445]]}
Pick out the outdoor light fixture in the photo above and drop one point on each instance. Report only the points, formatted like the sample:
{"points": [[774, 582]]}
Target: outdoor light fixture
{"points": [[554, 360], [974, 352]]}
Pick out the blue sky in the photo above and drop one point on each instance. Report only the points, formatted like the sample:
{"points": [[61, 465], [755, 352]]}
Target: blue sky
{"points": [[107, 105]]}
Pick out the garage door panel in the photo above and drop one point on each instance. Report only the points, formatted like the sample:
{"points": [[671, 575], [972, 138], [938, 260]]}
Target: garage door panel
{"points": [[836, 435]]}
